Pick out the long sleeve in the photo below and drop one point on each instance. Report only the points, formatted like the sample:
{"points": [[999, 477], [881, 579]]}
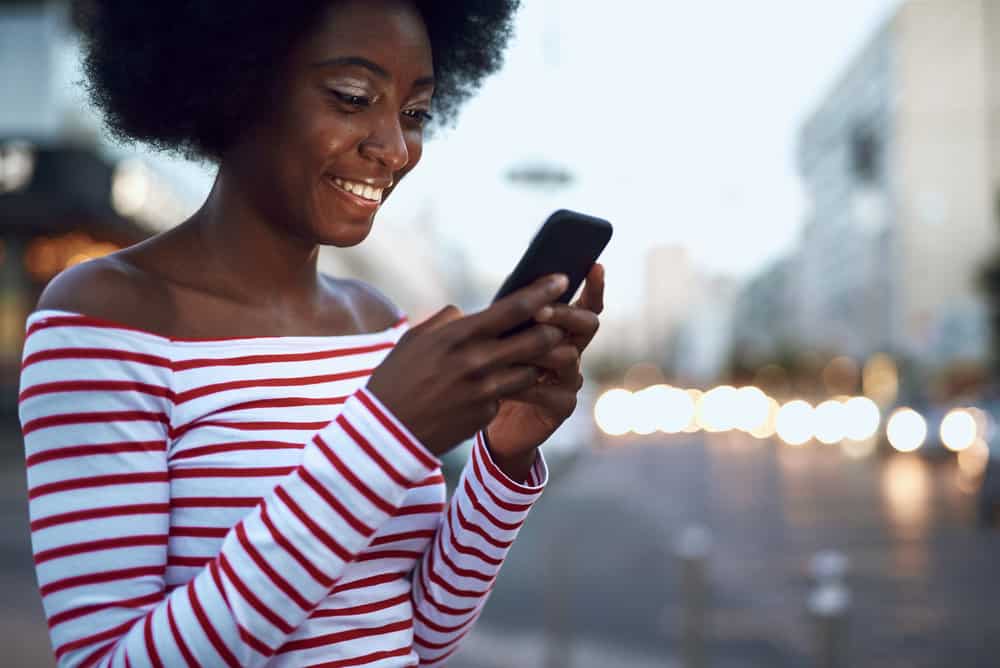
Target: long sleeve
{"points": [[95, 416], [456, 574]]}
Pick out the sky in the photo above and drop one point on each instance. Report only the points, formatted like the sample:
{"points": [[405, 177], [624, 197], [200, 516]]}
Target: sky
{"points": [[677, 119]]}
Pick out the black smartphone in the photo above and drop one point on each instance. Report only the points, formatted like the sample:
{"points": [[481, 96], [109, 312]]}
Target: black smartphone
{"points": [[567, 243]]}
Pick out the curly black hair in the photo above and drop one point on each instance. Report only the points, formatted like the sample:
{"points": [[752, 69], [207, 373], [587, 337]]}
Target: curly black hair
{"points": [[187, 76]]}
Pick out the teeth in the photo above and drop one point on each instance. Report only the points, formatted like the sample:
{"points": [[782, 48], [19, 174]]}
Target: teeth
{"points": [[360, 189]]}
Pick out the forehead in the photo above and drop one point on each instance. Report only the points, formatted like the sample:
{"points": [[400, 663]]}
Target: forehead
{"points": [[388, 32]]}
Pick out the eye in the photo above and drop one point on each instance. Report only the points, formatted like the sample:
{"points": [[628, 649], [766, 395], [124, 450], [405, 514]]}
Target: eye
{"points": [[350, 99], [419, 116]]}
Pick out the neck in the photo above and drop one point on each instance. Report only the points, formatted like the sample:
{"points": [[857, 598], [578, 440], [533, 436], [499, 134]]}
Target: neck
{"points": [[255, 259]]}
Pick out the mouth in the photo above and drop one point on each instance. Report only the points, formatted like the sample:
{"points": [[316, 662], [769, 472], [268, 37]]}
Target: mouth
{"points": [[360, 193]]}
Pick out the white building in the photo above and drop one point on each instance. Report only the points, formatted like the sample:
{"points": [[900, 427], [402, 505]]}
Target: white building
{"points": [[902, 165]]}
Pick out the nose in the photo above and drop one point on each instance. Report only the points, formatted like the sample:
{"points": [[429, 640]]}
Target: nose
{"points": [[386, 143]]}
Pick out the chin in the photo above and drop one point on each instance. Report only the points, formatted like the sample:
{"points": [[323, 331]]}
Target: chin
{"points": [[343, 235]]}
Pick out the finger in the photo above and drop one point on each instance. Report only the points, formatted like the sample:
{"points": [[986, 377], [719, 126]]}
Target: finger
{"points": [[562, 361], [482, 357], [505, 382], [580, 324], [513, 309], [592, 297], [448, 314], [554, 400]]}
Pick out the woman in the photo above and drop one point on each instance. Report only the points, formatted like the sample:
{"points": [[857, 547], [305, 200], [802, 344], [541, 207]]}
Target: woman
{"points": [[232, 458]]}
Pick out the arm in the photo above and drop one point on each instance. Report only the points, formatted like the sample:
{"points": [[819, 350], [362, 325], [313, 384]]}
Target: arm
{"points": [[455, 576], [94, 414]]}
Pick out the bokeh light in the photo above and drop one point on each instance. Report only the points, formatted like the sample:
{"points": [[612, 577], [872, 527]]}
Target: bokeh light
{"points": [[880, 379], [717, 409], [752, 408], [693, 426], [768, 429], [130, 186], [861, 418], [958, 430], [647, 406], [678, 410], [906, 430], [972, 460], [795, 422], [613, 412], [829, 420]]}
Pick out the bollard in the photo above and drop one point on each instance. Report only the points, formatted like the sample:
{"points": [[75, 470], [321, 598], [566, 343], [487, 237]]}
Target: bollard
{"points": [[829, 567], [558, 641], [828, 607], [691, 550]]}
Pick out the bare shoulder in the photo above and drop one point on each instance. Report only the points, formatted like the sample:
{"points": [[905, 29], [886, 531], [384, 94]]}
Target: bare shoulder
{"points": [[372, 308], [105, 287]]}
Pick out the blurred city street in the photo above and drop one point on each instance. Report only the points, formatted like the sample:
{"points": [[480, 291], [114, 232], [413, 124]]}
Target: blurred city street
{"points": [[595, 558], [593, 569]]}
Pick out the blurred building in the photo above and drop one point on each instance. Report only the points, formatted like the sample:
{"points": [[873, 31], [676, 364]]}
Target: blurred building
{"points": [[704, 339], [765, 311], [902, 165], [670, 292]]}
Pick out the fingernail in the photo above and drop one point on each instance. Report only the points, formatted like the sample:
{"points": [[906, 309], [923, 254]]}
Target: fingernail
{"points": [[560, 283], [544, 313]]}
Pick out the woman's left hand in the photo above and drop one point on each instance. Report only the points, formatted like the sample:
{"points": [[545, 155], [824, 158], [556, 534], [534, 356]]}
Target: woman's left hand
{"points": [[525, 420]]}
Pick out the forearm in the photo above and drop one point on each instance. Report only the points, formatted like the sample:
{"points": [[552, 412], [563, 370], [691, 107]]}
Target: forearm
{"points": [[454, 578]]}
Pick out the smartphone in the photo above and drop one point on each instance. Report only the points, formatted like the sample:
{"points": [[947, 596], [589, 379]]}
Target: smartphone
{"points": [[567, 243]]}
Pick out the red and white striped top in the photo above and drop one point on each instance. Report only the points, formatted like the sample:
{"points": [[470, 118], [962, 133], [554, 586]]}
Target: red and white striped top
{"points": [[246, 502]]}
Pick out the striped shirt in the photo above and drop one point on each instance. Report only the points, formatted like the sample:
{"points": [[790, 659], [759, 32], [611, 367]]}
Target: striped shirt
{"points": [[246, 502]]}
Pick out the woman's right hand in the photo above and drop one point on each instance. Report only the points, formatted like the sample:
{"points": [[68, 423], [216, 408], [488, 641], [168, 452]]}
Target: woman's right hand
{"points": [[445, 377]]}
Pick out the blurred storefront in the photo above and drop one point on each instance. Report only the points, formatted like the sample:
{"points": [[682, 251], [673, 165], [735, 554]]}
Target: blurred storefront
{"points": [[59, 205]]}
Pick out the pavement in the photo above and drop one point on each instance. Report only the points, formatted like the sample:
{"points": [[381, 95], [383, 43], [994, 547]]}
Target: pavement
{"points": [[593, 578]]}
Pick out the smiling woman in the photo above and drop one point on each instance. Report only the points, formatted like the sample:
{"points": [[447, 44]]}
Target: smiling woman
{"points": [[233, 458]]}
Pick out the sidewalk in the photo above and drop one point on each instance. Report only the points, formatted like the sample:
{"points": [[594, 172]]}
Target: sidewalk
{"points": [[491, 647]]}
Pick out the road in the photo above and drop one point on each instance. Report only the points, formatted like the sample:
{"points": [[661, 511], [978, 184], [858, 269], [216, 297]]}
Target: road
{"points": [[591, 580], [595, 556]]}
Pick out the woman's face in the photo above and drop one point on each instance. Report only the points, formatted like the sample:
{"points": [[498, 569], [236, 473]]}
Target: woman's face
{"points": [[348, 124]]}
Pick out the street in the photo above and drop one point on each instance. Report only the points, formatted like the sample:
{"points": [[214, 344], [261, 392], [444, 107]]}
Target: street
{"points": [[594, 560], [592, 581]]}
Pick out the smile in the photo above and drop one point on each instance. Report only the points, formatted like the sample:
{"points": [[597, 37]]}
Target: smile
{"points": [[362, 190]]}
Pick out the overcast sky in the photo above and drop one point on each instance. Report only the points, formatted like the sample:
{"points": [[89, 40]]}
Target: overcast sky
{"points": [[677, 118]]}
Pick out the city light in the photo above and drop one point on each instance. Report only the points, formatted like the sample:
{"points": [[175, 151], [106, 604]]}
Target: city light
{"points": [[880, 379], [861, 418], [830, 422], [693, 426], [678, 410], [647, 406], [17, 165], [752, 408], [716, 410], [130, 186], [44, 257], [906, 430], [958, 430], [972, 460], [613, 412], [795, 422], [767, 429]]}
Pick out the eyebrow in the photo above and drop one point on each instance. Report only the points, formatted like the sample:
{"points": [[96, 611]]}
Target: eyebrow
{"points": [[374, 68]]}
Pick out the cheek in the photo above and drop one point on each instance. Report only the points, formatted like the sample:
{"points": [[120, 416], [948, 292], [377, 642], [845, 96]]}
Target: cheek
{"points": [[415, 149]]}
